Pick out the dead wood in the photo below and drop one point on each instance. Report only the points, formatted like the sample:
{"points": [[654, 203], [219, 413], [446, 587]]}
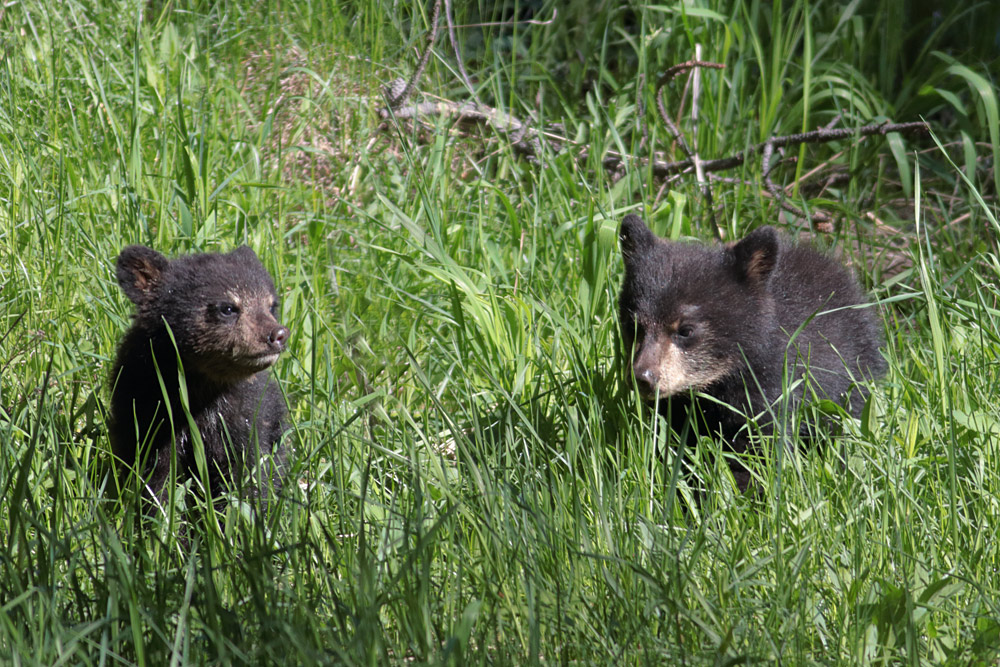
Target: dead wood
{"points": [[528, 140]]}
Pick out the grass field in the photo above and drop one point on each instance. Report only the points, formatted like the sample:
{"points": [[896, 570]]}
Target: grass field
{"points": [[475, 481]]}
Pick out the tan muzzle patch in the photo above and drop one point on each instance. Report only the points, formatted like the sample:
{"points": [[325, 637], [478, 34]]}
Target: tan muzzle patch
{"points": [[681, 370]]}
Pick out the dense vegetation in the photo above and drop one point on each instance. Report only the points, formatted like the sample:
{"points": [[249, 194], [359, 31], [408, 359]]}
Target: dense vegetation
{"points": [[475, 481]]}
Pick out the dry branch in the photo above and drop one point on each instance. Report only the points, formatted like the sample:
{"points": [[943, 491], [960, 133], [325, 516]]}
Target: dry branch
{"points": [[527, 140], [469, 113], [692, 154]]}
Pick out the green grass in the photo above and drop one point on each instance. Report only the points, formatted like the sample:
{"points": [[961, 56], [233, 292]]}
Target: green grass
{"points": [[475, 481]]}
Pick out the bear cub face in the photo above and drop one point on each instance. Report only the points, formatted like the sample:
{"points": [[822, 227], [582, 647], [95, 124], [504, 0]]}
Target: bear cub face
{"points": [[221, 309], [691, 312], [217, 313], [741, 323]]}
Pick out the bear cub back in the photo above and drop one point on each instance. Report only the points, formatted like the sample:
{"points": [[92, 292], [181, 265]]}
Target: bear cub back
{"points": [[724, 320], [217, 314]]}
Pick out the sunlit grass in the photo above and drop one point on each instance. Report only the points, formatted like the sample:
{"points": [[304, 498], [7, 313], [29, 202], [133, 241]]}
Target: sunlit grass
{"points": [[472, 480]]}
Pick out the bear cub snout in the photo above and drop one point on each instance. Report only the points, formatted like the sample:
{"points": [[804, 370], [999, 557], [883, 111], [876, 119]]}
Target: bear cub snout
{"points": [[727, 321], [218, 315]]}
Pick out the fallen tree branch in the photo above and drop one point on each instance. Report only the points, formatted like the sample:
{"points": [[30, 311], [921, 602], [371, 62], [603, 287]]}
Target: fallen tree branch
{"points": [[526, 140], [468, 113], [814, 137]]}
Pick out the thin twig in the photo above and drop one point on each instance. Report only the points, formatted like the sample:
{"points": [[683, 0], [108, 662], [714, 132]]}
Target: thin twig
{"points": [[821, 219], [692, 155], [660, 192], [507, 24], [458, 55], [679, 68], [640, 109], [818, 168], [703, 183], [396, 95], [833, 122], [661, 106], [814, 137]]}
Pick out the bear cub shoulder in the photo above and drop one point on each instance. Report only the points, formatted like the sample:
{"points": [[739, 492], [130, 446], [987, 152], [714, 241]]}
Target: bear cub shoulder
{"points": [[723, 321], [217, 314]]}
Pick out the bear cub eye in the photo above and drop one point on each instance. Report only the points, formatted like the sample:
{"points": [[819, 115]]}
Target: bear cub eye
{"points": [[274, 310], [228, 310], [684, 333]]}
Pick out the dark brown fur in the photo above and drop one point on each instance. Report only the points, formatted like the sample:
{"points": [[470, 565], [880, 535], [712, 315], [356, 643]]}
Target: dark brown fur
{"points": [[218, 314], [723, 321]]}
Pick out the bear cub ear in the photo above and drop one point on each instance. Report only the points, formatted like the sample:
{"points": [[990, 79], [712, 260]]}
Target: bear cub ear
{"points": [[634, 236], [755, 255], [140, 272], [245, 252]]}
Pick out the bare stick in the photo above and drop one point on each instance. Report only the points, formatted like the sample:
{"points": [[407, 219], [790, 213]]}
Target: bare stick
{"points": [[640, 108], [683, 67], [454, 46], [692, 155], [395, 93], [703, 183], [814, 137], [821, 219]]}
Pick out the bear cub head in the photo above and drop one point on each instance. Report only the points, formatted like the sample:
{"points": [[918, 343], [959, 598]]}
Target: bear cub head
{"points": [[692, 314], [744, 323], [221, 309]]}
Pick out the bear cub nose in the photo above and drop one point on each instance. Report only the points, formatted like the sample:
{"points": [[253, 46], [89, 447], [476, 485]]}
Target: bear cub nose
{"points": [[278, 337], [646, 378]]}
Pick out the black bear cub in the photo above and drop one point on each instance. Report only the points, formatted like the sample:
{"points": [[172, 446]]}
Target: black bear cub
{"points": [[731, 321], [217, 314]]}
